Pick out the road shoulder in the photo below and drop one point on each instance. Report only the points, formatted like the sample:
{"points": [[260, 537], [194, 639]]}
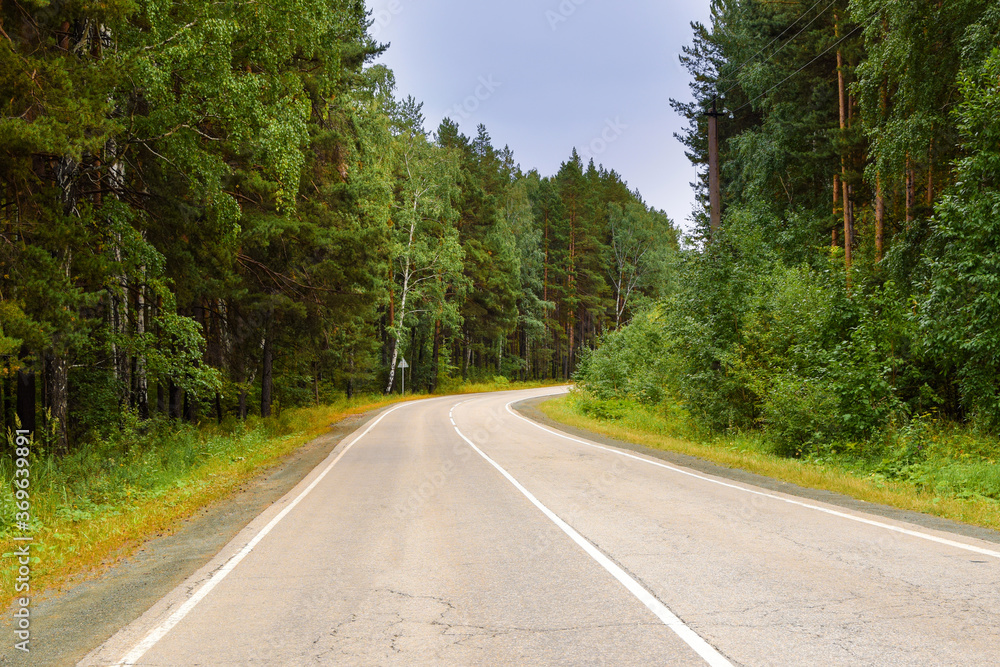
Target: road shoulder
{"points": [[68, 624], [529, 408]]}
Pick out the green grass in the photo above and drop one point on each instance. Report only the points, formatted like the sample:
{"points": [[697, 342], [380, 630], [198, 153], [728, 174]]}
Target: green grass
{"points": [[928, 467], [497, 383]]}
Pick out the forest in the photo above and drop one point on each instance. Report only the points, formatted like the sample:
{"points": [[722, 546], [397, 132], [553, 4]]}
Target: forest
{"points": [[210, 210], [850, 298]]}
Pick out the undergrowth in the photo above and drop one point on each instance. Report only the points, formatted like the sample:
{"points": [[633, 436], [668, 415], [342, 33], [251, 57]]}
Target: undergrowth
{"points": [[928, 464]]}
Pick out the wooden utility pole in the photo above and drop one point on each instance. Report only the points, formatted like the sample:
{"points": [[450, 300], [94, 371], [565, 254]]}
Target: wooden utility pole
{"points": [[844, 186], [714, 194]]}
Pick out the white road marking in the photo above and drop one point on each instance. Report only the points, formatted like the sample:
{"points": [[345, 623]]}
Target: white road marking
{"points": [[843, 515], [159, 632], [689, 636]]}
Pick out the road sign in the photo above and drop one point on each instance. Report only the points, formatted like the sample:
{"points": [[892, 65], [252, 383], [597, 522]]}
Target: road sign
{"points": [[402, 365]]}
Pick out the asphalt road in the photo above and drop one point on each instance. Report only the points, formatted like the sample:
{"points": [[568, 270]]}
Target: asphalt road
{"points": [[453, 531]]}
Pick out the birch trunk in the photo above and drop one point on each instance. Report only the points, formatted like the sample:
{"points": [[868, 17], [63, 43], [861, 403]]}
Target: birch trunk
{"points": [[141, 381]]}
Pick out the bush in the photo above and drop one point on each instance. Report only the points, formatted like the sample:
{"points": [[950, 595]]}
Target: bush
{"points": [[799, 412], [960, 314], [633, 362]]}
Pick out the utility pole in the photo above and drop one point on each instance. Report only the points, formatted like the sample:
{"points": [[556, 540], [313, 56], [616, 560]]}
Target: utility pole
{"points": [[844, 185], [714, 195]]}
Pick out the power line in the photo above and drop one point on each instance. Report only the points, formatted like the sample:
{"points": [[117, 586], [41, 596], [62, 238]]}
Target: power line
{"points": [[789, 41], [827, 50], [780, 35]]}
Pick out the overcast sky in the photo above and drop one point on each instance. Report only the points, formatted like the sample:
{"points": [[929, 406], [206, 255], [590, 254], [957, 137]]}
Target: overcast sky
{"points": [[545, 76]]}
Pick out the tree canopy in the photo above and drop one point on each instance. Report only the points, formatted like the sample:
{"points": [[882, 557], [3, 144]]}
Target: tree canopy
{"points": [[212, 209], [852, 287]]}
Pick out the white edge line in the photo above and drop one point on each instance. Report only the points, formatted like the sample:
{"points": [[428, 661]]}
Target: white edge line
{"points": [[156, 634], [843, 515], [689, 636]]}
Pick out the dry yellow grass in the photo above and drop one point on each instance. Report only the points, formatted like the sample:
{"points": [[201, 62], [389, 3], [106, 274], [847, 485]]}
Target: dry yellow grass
{"points": [[895, 494]]}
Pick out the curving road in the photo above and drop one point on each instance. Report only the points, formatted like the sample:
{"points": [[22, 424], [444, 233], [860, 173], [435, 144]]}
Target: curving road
{"points": [[453, 531]]}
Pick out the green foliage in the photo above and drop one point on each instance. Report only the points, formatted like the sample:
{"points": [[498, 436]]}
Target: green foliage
{"points": [[766, 330], [634, 362], [213, 206], [960, 317]]}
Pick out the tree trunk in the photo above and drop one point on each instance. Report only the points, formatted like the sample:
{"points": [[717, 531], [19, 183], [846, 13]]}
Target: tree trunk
{"points": [[466, 355], [835, 240], [930, 175], [911, 190], [436, 356], [468, 358], [57, 389], [141, 392], [845, 188], [350, 375], [26, 399], [267, 363], [316, 383], [572, 341], [176, 401], [879, 219], [392, 365], [715, 195], [848, 227]]}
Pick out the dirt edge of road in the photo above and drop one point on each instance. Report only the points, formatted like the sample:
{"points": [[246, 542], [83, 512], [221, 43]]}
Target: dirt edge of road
{"points": [[67, 624], [529, 409]]}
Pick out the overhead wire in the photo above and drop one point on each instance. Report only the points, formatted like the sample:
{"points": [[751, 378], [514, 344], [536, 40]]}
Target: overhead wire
{"points": [[825, 51], [787, 42]]}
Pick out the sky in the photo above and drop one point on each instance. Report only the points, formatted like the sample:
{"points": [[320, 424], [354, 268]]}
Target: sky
{"points": [[545, 76]]}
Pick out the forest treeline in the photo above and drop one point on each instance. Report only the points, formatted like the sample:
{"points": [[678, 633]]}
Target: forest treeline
{"points": [[212, 208], [853, 289]]}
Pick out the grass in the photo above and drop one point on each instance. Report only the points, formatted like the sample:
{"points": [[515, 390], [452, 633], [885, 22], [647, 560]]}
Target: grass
{"points": [[498, 383], [937, 483], [142, 479]]}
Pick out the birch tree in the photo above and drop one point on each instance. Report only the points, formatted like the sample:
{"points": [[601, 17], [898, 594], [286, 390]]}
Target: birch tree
{"points": [[424, 243], [638, 238]]}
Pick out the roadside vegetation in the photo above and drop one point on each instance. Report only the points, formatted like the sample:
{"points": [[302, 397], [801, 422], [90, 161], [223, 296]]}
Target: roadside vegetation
{"points": [[214, 214], [842, 314], [215, 208], [943, 470]]}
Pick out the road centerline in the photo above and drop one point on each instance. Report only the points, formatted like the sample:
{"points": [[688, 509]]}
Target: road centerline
{"points": [[695, 641]]}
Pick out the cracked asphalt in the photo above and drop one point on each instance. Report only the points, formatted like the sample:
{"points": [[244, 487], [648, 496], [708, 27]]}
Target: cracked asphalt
{"points": [[415, 550]]}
